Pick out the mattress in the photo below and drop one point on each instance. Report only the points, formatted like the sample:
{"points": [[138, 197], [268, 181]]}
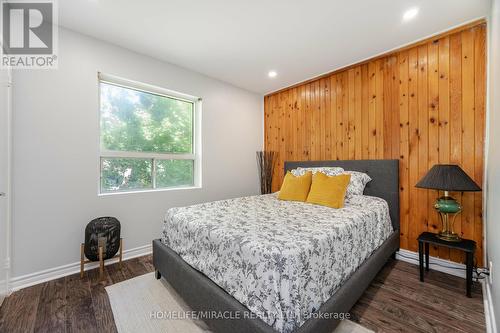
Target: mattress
{"points": [[280, 259]]}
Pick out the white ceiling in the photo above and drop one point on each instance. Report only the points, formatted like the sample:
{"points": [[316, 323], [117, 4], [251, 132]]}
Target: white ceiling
{"points": [[240, 41]]}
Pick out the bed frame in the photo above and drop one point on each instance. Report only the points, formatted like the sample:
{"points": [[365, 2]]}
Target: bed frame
{"points": [[202, 294]]}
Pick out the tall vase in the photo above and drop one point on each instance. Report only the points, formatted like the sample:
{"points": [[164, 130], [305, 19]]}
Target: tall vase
{"points": [[266, 161]]}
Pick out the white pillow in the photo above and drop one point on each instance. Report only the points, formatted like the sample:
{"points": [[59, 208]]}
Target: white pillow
{"points": [[358, 183], [329, 171]]}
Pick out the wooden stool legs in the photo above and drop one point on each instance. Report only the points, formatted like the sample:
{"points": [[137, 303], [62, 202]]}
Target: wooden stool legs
{"points": [[121, 252], [83, 261], [101, 263]]}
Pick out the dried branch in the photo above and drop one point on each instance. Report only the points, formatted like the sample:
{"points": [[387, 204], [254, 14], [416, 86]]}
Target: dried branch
{"points": [[266, 161]]}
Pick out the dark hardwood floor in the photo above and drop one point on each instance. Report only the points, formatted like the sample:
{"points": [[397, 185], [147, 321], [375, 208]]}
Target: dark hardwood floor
{"points": [[396, 301]]}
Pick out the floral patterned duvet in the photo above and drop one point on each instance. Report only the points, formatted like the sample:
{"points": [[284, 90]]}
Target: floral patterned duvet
{"points": [[281, 259]]}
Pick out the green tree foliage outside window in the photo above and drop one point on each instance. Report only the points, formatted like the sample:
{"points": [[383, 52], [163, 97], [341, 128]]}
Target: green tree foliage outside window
{"points": [[122, 174], [138, 121]]}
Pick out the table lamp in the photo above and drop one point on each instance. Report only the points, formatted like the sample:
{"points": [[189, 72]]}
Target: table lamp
{"points": [[448, 177]]}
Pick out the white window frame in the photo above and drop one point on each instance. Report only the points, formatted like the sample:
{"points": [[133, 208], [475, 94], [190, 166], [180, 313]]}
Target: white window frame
{"points": [[195, 155]]}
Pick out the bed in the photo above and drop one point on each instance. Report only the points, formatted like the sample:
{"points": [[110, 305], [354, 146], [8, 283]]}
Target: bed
{"points": [[284, 263]]}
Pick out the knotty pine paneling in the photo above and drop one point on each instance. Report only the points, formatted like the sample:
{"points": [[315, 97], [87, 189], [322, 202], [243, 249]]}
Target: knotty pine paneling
{"points": [[422, 105]]}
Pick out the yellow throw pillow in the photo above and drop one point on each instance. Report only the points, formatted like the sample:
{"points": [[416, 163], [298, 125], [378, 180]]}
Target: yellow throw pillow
{"points": [[328, 190], [295, 188]]}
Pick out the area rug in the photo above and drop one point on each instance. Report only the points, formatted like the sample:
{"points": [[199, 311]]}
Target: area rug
{"points": [[144, 304]]}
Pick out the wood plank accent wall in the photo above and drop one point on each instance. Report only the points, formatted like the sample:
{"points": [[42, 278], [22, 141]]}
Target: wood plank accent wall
{"points": [[422, 105]]}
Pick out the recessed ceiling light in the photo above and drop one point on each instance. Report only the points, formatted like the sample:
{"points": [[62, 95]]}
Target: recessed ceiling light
{"points": [[410, 14], [272, 74]]}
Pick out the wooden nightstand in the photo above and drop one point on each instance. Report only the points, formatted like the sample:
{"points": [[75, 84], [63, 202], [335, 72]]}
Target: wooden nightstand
{"points": [[466, 245]]}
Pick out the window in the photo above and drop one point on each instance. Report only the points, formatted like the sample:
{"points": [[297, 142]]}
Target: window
{"points": [[147, 137]]}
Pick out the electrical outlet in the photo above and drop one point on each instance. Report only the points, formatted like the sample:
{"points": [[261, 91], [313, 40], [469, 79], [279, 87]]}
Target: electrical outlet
{"points": [[490, 277]]}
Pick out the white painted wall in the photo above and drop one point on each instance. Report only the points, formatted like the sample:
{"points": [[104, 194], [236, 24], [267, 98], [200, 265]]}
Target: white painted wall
{"points": [[55, 160], [5, 140], [493, 158]]}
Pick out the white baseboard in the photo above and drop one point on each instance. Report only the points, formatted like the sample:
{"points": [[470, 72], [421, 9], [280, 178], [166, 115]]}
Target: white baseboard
{"points": [[437, 264], [31, 279], [491, 326]]}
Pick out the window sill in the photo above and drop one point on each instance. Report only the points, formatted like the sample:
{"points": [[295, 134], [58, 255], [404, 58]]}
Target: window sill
{"points": [[150, 191]]}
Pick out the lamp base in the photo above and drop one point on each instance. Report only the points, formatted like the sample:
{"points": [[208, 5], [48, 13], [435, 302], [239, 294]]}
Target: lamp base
{"points": [[449, 236], [448, 208]]}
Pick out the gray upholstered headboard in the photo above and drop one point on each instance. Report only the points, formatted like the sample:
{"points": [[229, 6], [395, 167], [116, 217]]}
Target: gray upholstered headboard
{"points": [[384, 174]]}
